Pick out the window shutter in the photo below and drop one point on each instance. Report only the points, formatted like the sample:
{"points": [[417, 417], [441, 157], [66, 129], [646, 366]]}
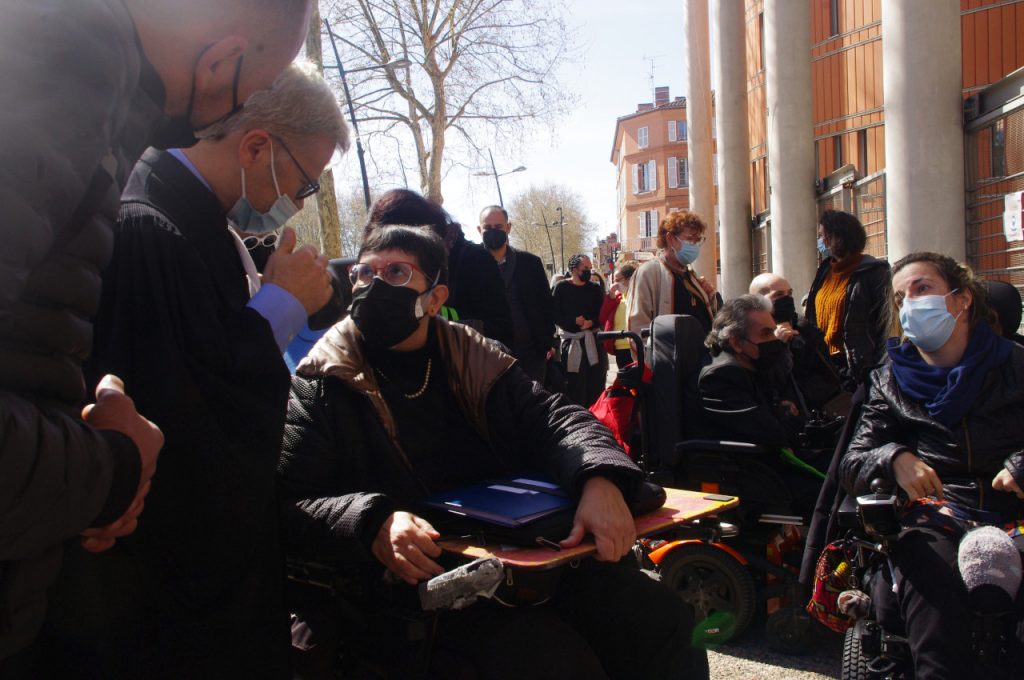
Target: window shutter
{"points": [[682, 130], [642, 217], [714, 168], [636, 178], [671, 131], [684, 172], [673, 172], [654, 222], [652, 173]]}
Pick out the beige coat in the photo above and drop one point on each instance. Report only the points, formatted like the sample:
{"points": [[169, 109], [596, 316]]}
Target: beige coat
{"points": [[651, 293]]}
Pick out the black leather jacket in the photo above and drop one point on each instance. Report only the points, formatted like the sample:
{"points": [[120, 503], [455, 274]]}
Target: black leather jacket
{"points": [[965, 457], [866, 318]]}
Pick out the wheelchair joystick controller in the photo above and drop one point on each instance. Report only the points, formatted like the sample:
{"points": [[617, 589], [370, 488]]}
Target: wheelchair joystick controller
{"points": [[879, 512]]}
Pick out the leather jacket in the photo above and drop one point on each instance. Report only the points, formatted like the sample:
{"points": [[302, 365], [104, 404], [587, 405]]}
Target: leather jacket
{"points": [[965, 457]]}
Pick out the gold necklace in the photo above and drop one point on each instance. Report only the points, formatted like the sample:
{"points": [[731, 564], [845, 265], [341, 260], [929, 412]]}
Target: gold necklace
{"points": [[423, 388]]}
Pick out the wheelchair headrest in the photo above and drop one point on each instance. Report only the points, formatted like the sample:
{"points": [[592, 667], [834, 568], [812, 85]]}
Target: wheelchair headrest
{"points": [[677, 355]]}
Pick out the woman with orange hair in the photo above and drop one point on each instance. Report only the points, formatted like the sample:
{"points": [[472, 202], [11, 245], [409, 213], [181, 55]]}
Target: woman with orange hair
{"points": [[668, 284]]}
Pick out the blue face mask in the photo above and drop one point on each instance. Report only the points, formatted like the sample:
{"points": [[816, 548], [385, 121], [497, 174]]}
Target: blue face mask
{"points": [[824, 250], [246, 218], [688, 252], [926, 321]]}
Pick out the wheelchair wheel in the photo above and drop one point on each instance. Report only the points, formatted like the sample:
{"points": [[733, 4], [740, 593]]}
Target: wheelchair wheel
{"points": [[855, 664], [790, 631], [720, 590]]}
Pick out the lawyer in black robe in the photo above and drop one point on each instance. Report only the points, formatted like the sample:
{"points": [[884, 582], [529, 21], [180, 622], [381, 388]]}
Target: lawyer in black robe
{"points": [[199, 584]]}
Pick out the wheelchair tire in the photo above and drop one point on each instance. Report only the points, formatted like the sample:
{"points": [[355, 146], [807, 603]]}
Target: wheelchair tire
{"points": [[720, 590], [790, 631], [855, 664]]}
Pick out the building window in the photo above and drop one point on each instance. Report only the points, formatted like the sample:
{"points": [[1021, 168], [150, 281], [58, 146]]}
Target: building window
{"points": [[677, 131], [760, 38], [641, 137], [833, 17], [837, 152], [645, 177], [714, 126], [648, 223], [862, 152], [684, 172]]}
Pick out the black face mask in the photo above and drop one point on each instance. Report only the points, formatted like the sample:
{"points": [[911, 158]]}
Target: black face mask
{"points": [[585, 275], [494, 239], [769, 354], [177, 132], [784, 310], [386, 315]]}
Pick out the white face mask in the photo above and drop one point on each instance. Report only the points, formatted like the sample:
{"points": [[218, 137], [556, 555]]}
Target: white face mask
{"points": [[926, 321], [246, 218]]}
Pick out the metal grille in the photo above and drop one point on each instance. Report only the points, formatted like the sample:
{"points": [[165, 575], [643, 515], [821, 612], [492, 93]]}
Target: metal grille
{"points": [[760, 238], [995, 167], [869, 207]]}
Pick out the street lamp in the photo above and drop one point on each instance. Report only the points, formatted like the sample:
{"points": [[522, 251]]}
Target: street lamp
{"points": [[494, 171], [551, 247], [561, 235], [397, 63]]}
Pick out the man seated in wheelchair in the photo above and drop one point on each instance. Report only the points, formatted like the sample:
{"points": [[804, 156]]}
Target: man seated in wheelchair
{"points": [[740, 395], [942, 422], [394, 403]]}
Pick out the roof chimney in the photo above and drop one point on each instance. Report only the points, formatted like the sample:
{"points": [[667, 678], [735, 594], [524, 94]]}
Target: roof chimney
{"points": [[660, 96], [644, 107]]}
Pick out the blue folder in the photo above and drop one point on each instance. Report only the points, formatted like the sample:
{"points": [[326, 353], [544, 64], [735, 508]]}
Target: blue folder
{"points": [[509, 502]]}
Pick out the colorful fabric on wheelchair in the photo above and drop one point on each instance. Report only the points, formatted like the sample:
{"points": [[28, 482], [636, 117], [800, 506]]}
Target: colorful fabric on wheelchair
{"points": [[945, 516], [831, 579]]}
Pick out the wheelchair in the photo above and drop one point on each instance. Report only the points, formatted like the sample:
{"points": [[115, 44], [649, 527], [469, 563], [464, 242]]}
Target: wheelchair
{"points": [[870, 526], [743, 564]]}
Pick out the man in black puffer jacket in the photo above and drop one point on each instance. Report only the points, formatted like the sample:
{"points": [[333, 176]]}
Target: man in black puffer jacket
{"points": [[87, 85]]}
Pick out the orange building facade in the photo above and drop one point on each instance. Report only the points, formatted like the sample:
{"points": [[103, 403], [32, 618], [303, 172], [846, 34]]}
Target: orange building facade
{"points": [[849, 116], [652, 170]]}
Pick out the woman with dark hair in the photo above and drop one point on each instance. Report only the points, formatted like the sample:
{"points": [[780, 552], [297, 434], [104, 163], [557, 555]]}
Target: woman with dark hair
{"points": [[849, 299], [577, 304], [477, 296], [668, 284], [941, 424], [395, 404]]}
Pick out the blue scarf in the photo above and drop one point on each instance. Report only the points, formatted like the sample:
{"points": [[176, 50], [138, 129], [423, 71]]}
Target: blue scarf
{"points": [[948, 393]]}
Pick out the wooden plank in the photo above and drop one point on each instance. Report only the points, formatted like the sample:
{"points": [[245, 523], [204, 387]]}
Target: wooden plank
{"points": [[995, 44], [981, 62], [969, 56]]}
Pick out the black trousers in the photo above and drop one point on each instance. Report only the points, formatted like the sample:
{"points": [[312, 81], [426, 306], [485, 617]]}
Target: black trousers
{"points": [[606, 621], [932, 608], [586, 385]]}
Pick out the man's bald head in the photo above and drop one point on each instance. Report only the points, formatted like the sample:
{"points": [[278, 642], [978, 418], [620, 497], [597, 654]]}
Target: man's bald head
{"points": [[770, 285]]}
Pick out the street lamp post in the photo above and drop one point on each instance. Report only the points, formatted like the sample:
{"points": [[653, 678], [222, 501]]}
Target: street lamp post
{"points": [[561, 232], [397, 63], [494, 171], [551, 246]]}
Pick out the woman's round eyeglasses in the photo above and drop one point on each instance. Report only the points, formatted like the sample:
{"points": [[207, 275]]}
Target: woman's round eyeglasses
{"points": [[396, 274]]}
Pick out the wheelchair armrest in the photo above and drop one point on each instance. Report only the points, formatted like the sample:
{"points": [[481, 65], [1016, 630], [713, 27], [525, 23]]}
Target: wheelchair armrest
{"points": [[720, 446], [847, 516]]}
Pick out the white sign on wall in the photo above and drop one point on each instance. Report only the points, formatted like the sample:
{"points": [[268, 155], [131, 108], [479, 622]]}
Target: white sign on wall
{"points": [[1013, 216]]}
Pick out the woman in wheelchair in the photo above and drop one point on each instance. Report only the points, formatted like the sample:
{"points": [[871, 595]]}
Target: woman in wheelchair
{"points": [[942, 421], [394, 404]]}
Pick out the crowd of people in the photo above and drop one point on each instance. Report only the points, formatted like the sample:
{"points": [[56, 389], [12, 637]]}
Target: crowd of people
{"points": [[154, 156]]}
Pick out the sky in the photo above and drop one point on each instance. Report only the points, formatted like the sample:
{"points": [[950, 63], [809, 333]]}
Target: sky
{"points": [[616, 42]]}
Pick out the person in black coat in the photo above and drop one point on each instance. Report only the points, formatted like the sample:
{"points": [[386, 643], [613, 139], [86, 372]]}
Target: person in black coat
{"points": [[941, 424], [849, 298], [394, 404], [738, 400], [88, 85], [477, 292], [527, 286], [577, 306], [198, 590]]}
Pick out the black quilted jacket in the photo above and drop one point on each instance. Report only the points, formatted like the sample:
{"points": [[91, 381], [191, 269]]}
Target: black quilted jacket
{"points": [[966, 457], [343, 471], [80, 103]]}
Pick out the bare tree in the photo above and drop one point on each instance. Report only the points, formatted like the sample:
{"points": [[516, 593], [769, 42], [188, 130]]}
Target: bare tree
{"points": [[483, 69], [326, 202], [530, 210]]}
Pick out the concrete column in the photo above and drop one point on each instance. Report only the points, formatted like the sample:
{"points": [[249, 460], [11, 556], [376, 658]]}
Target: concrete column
{"points": [[729, 29], [698, 123], [924, 138], [787, 38]]}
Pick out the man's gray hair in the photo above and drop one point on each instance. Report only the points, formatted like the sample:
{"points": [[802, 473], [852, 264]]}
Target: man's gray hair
{"points": [[731, 320], [299, 105]]}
